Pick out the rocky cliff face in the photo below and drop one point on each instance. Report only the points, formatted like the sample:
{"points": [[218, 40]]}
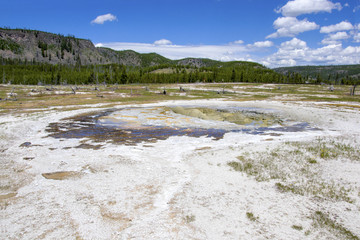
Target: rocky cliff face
{"points": [[51, 48], [37, 46]]}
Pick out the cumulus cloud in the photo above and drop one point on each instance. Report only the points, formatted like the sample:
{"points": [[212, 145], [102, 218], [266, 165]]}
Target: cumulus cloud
{"points": [[339, 36], [295, 8], [335, 38], [103, 18], [261, 44], [357, 37], [342, 26], [293, 44], [349, 51], [163, 42], [291, 26], [288, 53], [237, 42], [296, 52]]}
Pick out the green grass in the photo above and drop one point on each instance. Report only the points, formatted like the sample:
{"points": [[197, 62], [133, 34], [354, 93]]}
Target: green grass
{"points": [[341, 98], [323, 220], [284, 188], [332, 150], [189, 218], [319, 189], [242, 166], [297, 227], [249, 92], [294, 166], [312, 160], [251, 216]]}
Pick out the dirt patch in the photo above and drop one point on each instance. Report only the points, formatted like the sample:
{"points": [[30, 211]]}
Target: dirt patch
{"points": [[61, 175], [6, 196], [202, 148]]}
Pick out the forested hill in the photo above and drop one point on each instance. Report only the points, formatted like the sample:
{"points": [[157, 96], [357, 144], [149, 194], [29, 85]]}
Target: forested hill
{"points": [[323, 73], [42, 47], [36, 57]]}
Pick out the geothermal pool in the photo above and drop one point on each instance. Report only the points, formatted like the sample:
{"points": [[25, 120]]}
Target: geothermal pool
{"points": [[149, 124]]}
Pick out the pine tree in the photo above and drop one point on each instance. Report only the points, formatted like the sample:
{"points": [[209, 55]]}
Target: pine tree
{"points": [[233, 76], [124, 76]]}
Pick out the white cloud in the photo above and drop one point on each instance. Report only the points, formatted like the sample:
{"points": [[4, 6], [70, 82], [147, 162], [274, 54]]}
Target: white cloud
{"points": [[237, 42], [291, 26], [335, 38], [339, 36], [296, 52], [287, 62], [357, 37], [293, 44], [226, 52], [342, 26], [349, 51], [289, 53], [298, 7], [263, 44], [103, 18], [328, 41], [163, 42]]}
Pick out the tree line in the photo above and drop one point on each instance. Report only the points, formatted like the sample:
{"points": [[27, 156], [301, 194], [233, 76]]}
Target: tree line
{"points": [[15, 71]]}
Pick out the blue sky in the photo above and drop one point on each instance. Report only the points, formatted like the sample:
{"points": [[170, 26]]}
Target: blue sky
{"points": [[271, 32]]}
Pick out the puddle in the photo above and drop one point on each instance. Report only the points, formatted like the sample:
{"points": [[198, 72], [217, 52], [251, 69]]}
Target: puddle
{"points": [[29, 144], [25, 144], [135, 125]]}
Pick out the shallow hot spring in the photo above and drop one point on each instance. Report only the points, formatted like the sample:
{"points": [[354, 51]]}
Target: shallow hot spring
{"points": [[149, 124]]}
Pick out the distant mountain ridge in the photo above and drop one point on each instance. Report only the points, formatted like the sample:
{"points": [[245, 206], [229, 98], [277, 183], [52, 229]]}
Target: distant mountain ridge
{"points": [[334, 72], [44, 47], [38, 46]]}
